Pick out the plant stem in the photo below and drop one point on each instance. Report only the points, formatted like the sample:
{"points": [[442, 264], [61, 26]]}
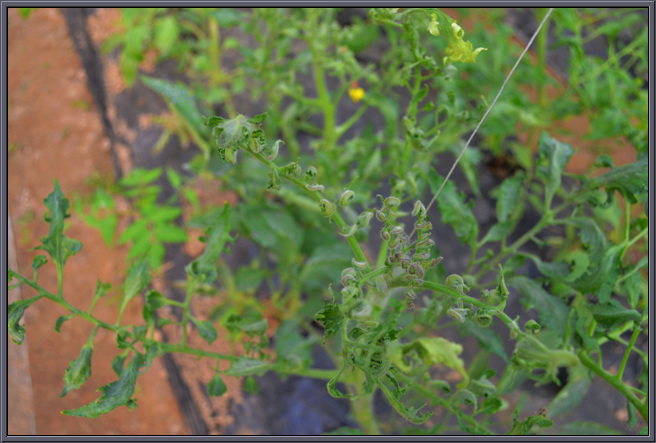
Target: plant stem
{"points": [[614, 381]]}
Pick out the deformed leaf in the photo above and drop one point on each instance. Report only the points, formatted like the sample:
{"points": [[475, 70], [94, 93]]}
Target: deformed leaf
{"points": [[612, 313], [331, 318], [115, 394], [62, 319], [56, 243], [15, 313], [78, 371]]}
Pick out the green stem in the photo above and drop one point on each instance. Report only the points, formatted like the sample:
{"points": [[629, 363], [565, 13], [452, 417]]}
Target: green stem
{"points": [[634, 337], [614, 381], [317, 196], [185, 310]]}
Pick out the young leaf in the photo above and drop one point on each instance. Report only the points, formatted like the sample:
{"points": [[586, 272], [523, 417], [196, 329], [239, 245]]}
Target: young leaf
{"points": [[166, 34], [61, 321], [454, 210], [15, 313], [115, 394], [56, 243], [524, 427], [78, 371], [216, 387], [137, 280], [250, 385], [204, 267], [552, 311], [509, 193], [554, 155], [206, 330], [572, 393]]}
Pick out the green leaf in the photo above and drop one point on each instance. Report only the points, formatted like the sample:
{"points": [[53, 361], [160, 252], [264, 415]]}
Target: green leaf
{"points": [[552, 311], [204, 267], [15, 313], [629, 180], [572, 393], [454, 210], [115, 394], [250, 385], [487, 339], [291, 346], [272, 228], [78, 371], [206, 330], [56, 243], [331, 318], [140, 177], [156, 300], [324, 266], [554, 155], [181, 100], [38, 261], [170, 234], [580, 427], [137, 280], [410, 413], [249, 323], [344, 430], [611, 314], [464, 396], [174, 178], [524, 427], [227, 17], [509, 193], [216, 387], [61, 321], [166, 34], [248, 366], [439, 350], [118, 362]]}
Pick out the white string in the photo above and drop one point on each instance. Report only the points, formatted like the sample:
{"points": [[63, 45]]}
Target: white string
{"points": [[488, 110]]}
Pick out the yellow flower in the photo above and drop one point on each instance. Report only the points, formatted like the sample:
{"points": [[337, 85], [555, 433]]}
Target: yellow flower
{"points": [[356, 92], [458, 50]]}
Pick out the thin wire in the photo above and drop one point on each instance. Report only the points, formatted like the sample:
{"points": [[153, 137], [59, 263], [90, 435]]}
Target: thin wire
{"points": [[488, 110]]}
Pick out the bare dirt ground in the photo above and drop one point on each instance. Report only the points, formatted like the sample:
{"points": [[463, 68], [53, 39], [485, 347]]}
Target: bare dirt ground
{"points": [[54, 131]]}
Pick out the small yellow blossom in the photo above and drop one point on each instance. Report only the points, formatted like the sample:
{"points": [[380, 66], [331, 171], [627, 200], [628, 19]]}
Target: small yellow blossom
{"points": [[433, 26], [356, 92]]}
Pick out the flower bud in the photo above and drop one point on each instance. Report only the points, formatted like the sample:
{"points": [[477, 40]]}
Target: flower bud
{"points": [[362, 310], [310, 173], [385, 235], [326, 207], [532, 326], [351, 231], [346, 197], [392, 201], [318, 188], [459, 314], [396, 230], [380, 216], [483, 318], [363, 219], [359, 264], [455, 282], [419, 209]]}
